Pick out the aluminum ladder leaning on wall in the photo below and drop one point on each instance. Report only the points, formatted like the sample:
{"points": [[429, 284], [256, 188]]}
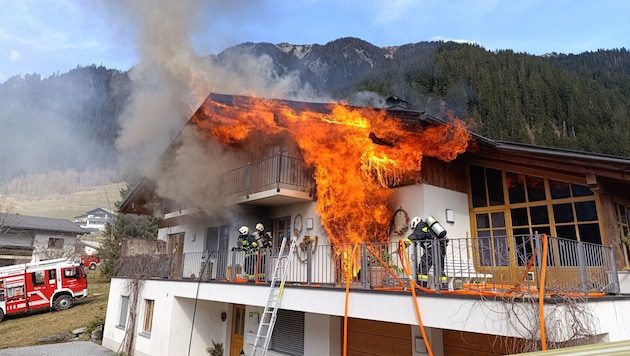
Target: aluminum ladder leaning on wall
{"points": [[268, 317]]}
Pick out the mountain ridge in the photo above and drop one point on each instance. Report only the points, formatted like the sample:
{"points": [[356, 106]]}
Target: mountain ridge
{"points": [[558, 100]]}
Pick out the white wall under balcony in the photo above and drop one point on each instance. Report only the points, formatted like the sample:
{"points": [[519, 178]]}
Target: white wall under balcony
{"points": [[174, 306]]}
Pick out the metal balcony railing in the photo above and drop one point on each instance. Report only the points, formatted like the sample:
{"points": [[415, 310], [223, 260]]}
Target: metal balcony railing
{"points": [[269, 173], [501, 265]]}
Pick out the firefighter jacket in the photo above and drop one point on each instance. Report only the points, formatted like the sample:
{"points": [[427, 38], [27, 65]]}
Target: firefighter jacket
{"points": [[265, 240], [248, 243], [419, 234]]}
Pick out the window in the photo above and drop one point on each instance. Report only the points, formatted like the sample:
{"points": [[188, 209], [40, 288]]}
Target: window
{"points": [[281, 229], [622, 211], [532, 204], [288, 335], [148, 315], [124, 310], [38, 278], [71, 273], [217, 238], [56, 243], [510, 207], [491, 232]]}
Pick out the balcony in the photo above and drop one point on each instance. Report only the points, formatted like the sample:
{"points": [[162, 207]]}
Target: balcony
{"points": [[550, 267], [274, 180]]}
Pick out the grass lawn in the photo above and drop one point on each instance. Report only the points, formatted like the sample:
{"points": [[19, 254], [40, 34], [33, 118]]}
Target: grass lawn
{"points": [[25, 329]]}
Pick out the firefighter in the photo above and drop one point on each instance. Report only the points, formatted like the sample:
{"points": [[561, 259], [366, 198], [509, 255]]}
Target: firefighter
{"points": [[249, 245], [264, 237], [265, 242], [429, 234]]}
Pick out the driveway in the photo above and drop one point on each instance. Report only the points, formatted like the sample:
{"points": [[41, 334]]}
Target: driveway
{"points": [[72, 348]]}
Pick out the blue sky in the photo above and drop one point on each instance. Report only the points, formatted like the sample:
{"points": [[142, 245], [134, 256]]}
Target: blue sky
{"points": [[49, 36]]}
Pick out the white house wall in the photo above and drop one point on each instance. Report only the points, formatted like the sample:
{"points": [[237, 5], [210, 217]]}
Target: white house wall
{"points": [[424, 199], [207, 326], [174, 306], [40, 242]]}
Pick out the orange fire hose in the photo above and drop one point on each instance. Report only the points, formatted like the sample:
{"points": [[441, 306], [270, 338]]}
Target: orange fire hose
{"points": [[389, 270], [345, 314], [541, 294], [407, 271], [529, 266]]}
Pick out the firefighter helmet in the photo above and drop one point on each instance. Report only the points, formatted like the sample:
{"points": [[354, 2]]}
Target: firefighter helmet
{"points": [[414, 222], [244, 230], [260, 227]]}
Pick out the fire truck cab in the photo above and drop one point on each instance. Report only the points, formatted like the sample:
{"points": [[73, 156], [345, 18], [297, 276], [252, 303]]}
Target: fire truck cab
{"points": [[48, 284]]}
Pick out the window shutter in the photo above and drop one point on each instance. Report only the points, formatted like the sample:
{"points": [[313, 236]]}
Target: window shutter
{"points": [[288, 333]]}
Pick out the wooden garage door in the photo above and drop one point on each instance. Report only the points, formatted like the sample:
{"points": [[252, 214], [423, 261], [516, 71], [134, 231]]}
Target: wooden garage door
{"points": [[368, 337], [459, 343]]}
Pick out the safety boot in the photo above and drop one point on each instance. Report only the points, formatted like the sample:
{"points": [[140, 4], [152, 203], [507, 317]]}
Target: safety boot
{"points": [[423, 280], [443, 282]]}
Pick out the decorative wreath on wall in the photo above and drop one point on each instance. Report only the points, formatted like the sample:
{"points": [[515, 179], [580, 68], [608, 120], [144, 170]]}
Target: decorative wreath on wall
{"points": [[400, 222], [297, 225], [303, 246]]}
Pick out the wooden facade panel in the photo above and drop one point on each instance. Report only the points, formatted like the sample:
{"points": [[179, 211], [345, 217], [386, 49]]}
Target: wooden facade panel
{"points": [[368, 337], [460, 343], [447, 175]]}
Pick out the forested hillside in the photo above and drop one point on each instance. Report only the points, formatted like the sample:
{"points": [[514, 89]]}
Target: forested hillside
{"points": [[66, 121], [69, 120]]}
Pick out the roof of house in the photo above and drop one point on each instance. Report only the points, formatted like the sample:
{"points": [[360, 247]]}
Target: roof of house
{"points": [[97, 211], [17, 221], [612, 167]]}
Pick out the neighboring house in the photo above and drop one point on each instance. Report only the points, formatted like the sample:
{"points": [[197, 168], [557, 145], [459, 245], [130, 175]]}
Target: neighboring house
{"points": [[522, 221], [26, 238], [94, 220]]}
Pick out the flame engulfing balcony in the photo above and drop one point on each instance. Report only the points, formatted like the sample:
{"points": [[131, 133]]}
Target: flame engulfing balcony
{"points": [[277, 177]]}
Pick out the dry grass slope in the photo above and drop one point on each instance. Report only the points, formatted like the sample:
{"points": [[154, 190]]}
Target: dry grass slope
{"points": [[70, 205]]}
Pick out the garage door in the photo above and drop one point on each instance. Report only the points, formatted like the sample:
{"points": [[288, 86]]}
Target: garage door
{"points": [[368, 337], [459, 343]]}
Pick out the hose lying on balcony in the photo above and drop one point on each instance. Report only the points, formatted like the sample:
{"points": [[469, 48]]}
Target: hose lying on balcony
{"points": [[541, 294]]}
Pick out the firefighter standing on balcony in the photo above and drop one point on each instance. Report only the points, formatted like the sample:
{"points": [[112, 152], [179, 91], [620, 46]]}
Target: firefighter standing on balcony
{"points": [[430, 234], [249, 245], [265, 242]]}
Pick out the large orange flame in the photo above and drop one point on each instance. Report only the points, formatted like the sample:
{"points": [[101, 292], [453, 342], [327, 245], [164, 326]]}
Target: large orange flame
{"points": [[358, 154]]}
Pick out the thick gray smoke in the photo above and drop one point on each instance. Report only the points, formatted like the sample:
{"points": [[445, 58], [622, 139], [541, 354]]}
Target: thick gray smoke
{"points": [[170, 82]]}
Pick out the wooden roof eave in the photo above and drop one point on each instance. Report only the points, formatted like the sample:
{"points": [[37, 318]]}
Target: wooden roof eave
{"points": [[136, 202], [556, 160]]}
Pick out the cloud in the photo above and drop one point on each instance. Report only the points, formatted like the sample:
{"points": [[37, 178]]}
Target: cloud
{"points": [[14, 55], [391, 11]]}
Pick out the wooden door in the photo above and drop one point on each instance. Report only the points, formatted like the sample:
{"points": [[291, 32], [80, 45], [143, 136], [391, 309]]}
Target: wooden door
{"points": [[238, 329], [176, 250]]}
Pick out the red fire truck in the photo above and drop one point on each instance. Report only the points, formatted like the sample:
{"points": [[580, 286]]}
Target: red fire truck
{"points": [[37, 285]]}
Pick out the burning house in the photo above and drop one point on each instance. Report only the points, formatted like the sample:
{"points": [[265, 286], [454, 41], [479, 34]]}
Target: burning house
{"points": [[525, 224]]}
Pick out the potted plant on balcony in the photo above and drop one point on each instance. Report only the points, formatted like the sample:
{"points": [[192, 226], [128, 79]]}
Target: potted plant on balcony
{"points": [[379, 268]]}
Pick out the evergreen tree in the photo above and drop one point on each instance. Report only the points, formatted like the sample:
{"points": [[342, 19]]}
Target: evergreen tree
{"points": [[124, 226]]}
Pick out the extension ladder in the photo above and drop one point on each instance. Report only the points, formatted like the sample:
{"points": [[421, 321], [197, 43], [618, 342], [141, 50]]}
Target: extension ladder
{"points": [[268, 317]]}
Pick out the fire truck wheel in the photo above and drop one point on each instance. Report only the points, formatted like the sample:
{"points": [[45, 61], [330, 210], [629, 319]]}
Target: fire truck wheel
{"points": [[1, 315], [63, 302], [92, 266]]}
